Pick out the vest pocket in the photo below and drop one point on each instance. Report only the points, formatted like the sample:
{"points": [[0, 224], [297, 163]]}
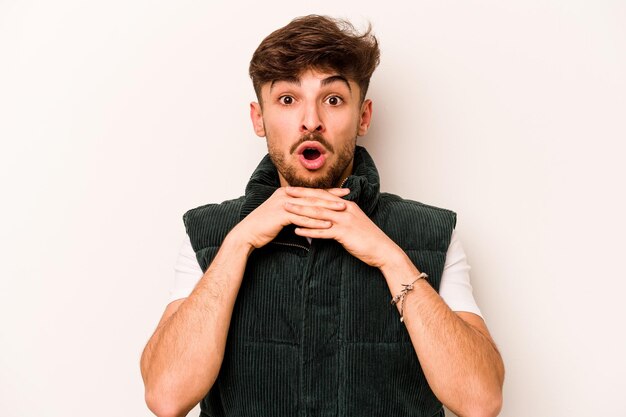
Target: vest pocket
{"points": [[386, 379], [260, 379]]}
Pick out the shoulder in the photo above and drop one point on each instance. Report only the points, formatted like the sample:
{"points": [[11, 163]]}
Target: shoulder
{"points": [[229, 208], [207, 225], [394, 209], [396, 202]]}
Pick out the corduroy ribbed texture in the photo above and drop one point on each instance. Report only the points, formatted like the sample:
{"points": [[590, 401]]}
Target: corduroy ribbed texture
{"points": [[313, 332]]}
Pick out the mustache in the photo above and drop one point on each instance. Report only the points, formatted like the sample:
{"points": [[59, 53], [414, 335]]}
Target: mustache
{"points": [[312, 136]]}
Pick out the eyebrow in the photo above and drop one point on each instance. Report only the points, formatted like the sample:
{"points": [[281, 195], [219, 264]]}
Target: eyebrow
{"points": [[326, 81], [336, 78]]}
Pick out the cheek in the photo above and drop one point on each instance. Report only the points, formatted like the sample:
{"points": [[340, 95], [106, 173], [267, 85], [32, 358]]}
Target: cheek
{"points": [[279, 126], [342, 121], [350, 124], [277, 137]]}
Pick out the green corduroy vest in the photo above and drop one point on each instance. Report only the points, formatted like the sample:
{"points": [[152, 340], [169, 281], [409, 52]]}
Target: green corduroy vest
{"points": [[313, 332]]}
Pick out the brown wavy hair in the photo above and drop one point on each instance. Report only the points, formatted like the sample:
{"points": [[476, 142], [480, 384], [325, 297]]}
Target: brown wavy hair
{"points": [[316, 42]]}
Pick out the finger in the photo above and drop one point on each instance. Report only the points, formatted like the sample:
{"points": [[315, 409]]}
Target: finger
{"points": [[338, 204], [339, 192], [326, 233], [331, 193], [314, 212], [308, 222]]}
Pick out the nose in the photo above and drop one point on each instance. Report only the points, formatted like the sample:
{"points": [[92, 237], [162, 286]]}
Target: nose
{"points": [[311, 120]]}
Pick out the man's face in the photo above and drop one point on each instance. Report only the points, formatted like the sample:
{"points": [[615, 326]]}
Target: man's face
{"points": [[311, 124]]}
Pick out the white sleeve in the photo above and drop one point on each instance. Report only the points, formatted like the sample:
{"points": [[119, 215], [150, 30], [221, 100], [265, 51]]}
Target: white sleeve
{"points": [[187, 272], [455, 287]]}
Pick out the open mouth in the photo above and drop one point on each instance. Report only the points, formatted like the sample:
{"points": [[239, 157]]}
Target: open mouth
{"points": [[311, 154]]}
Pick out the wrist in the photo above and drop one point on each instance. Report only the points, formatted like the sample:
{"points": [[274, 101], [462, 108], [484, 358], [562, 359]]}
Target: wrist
{"points": [[235, 241], [399, 270], [396, 262]]}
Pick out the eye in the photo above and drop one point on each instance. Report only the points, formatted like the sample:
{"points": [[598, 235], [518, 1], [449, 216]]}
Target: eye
{"points": [[334, 100], [286, 100]]}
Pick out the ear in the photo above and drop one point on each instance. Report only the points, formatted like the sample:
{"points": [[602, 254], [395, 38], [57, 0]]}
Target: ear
{"points": [[256, 115], [365, 118]]}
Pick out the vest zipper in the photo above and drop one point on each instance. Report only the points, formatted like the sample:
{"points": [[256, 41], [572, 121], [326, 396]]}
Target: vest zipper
{"points": [[304, 375], [292, 245]]}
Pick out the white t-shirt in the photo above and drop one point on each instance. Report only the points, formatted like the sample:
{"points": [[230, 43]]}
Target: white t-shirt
{"points": [[455, 287]]}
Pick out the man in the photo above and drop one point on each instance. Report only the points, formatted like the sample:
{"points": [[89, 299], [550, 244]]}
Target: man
{"points": [[291, 313]]}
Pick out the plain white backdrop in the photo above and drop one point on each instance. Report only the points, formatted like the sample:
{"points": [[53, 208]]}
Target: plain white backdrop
{"points": [[116, 117]]}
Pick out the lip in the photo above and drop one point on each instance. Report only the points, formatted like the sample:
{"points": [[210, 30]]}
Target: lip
{"points": [[314, 164]]}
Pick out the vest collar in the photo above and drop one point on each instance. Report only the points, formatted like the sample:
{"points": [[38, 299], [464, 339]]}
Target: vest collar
{"points": [[364, 183]]}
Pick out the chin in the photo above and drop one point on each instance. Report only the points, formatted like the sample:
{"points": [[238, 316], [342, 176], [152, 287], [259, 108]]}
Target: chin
{"points": [[311, 182]]}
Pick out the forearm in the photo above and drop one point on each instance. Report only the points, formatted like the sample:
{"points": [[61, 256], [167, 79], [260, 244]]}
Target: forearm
{"points": [[182, 359], [460, 361]]}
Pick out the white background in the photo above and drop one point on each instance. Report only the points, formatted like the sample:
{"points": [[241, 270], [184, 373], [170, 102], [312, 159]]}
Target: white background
{"points": [[118, 116]]}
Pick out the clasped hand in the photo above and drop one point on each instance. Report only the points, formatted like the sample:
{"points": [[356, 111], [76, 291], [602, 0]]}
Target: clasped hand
{"points": [[318, 214]]}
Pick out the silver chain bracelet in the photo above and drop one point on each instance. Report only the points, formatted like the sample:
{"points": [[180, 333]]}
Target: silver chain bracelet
{"points": [[404, 292]]}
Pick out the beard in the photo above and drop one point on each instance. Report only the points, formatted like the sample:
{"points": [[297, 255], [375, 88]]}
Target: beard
{"points": [[332, 174]]}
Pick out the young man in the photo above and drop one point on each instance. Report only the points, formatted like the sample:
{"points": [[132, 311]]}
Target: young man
{"points": [[291, 313]]}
